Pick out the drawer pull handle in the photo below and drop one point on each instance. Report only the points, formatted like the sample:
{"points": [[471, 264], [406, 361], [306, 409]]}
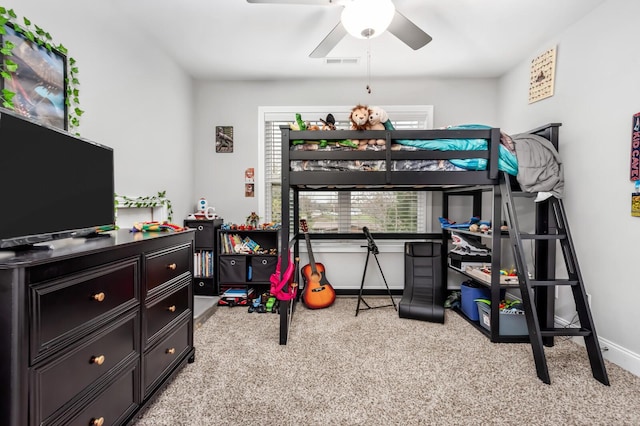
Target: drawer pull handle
{"points": [[171, 308], [171, 351], [98, 297], [97, 422], [98, 360], [172, 266]]}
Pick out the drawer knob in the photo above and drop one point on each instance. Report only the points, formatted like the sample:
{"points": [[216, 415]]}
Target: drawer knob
{"points": [[97, 422], [172, 308], [171, 351], [98, 297], [172, 266], [98, 360]]}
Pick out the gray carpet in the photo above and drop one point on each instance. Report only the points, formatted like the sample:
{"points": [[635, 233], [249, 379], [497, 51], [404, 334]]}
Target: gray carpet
{"points": [[376, 368]]}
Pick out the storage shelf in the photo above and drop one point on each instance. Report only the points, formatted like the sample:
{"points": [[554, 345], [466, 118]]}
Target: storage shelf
{"points": [[488, 234], [205, 250], [247, 269], [479, 276]]}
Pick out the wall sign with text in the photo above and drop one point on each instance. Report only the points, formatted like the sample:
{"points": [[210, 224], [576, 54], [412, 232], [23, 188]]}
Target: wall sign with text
{"points": [[635, 147]]}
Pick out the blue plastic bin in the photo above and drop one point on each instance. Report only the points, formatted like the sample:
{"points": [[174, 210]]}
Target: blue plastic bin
{"points": [[468, 294]]}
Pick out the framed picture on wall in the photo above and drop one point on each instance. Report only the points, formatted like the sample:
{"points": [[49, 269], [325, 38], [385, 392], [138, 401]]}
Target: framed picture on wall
{"points": [[542, 76], [39, 81], [224, 138]]}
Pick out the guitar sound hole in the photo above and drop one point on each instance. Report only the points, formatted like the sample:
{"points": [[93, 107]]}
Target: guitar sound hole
{"points": [[317, 289]]}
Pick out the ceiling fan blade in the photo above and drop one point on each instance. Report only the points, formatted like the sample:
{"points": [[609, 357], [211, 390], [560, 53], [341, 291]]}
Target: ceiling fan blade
{"points": [[408, 32], [330, 41], [309, 2]]}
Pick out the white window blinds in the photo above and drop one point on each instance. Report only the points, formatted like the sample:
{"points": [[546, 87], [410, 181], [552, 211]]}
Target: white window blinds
{"points": [[343, 211]]}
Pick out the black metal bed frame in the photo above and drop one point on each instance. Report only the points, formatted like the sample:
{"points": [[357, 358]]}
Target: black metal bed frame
{"points": [[388, 180]]}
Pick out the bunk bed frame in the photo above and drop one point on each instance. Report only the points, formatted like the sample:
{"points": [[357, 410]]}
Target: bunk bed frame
{"points": [[448, 182]]}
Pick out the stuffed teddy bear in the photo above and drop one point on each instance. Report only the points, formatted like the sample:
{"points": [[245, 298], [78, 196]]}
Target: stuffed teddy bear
{"points": [[359, 119], [377, 116]]}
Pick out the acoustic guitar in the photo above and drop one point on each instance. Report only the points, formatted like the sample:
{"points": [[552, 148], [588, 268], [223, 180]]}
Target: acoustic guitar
{"points": [[317, 293]]}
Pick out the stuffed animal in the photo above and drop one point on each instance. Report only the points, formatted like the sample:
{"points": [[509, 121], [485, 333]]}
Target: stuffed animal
{"points": [[359, 119], [377, 116], [329, 123]]}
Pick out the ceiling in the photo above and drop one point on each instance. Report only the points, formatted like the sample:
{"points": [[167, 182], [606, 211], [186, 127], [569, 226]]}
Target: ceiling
{"points": [[232, 39]]}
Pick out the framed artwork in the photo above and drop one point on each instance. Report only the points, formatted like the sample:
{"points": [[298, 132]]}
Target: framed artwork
{"points": [[249, 175], [542, 77], [249, 190], [39, 82], [224, 138]]}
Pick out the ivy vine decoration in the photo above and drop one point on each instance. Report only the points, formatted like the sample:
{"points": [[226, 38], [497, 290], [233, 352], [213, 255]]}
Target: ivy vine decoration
{"points": [[35, 34], [150, 201]]}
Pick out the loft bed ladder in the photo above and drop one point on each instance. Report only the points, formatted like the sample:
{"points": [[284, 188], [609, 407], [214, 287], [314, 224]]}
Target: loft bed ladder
{"points": [[551, 227]]}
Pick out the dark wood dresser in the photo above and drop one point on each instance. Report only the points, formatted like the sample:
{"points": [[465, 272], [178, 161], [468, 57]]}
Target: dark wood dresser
{"points": [[92, 329]]}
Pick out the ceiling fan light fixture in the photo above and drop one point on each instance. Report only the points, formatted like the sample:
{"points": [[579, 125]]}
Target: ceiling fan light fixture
{"points": [[367, 18]]}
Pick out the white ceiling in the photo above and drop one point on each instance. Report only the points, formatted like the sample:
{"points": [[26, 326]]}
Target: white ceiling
{"points": [[232, 39]]}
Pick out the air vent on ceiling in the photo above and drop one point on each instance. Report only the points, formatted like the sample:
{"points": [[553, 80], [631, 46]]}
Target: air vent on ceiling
{"points": [[336, 61]]}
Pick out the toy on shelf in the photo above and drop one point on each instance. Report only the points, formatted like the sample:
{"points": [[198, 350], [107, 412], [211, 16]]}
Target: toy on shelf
{"points": [[262, 227], [474, 224], [252, 220], [466, 246], [205, 212]]}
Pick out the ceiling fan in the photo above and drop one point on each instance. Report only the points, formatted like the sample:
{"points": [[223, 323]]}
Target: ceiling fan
{"points": [[381, 15]]}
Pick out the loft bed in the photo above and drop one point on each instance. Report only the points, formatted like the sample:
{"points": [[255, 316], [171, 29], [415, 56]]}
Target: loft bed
{"points": [[454, 159]]}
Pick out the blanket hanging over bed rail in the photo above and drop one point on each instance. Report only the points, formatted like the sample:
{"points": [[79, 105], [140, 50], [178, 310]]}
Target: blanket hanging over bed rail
{"points": [[539, 165]]}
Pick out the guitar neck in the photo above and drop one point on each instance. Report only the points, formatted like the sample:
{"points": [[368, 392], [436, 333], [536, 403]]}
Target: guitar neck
{"points": [[312, 261]]}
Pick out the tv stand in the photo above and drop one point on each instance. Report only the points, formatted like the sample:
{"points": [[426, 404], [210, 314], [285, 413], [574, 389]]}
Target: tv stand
{"points": [[112, 320]]}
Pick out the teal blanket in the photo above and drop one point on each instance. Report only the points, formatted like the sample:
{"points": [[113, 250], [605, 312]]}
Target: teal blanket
{"points": [[506, 162]]}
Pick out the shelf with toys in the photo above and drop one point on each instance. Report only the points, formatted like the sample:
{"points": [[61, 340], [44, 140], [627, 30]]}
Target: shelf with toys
{"points": [[247, 255], [477, 251]]}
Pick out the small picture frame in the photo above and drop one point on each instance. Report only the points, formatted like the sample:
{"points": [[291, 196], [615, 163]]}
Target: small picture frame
{"points": [[249, 175], [224, 139]]}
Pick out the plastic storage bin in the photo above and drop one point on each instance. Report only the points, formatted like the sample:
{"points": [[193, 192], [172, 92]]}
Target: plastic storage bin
{"points": [[510, 324], [468, 294]]}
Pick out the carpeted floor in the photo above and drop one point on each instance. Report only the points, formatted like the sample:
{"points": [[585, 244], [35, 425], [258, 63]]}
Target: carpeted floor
{"points": [[376, 368]]}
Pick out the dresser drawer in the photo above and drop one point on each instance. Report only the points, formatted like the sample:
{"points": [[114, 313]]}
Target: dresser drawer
{"points": [[160, 360], [70, 307], [61, 379], [165, 265], [160, 313], [112, 406]]}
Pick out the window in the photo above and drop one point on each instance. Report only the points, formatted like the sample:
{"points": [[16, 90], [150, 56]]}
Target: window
{"points": [[342, 211]]}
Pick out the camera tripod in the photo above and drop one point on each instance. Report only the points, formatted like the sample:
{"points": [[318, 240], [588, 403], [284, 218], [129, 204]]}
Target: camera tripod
{"points": [[372, 248]]}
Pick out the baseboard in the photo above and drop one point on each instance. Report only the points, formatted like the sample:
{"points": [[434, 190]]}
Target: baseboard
{"points": [[616, 354], [367, 292]]}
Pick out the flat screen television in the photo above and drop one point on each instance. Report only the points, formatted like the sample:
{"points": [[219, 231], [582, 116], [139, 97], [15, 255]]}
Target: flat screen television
{"points": [[54, 185]]}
